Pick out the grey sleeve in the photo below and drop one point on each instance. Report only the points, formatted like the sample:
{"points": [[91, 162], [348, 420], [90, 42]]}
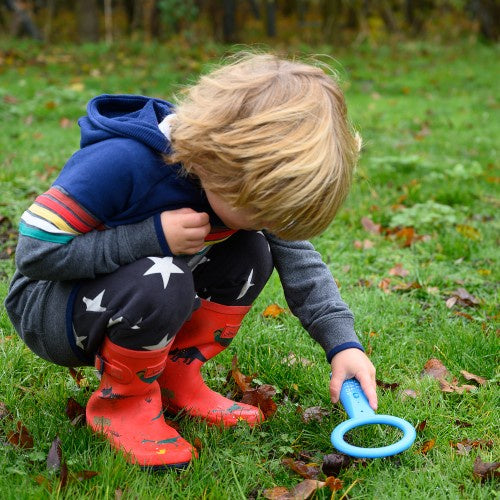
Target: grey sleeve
{"points": [[89, 254], [313, 295]]}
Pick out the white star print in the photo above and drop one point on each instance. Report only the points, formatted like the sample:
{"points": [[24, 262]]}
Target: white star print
{"points": [[163, 343], [79, 340], [165, 267], [94, 305], [136, 326], [112, 322], [246, 286], [262, 234], [196, 261]]}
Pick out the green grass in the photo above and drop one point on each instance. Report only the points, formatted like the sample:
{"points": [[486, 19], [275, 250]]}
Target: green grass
{"points": [[429, 118]]}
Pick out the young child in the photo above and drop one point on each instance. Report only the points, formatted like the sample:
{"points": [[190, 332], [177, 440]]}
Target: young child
{"points": [[159, 233]]}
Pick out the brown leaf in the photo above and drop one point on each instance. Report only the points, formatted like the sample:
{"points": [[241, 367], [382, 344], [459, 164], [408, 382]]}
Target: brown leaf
{"points": [[466, 445], [386, 385], [54, 457], [421, 426], [83, 475], [399, 270], [293, 359], [334, 483], [475, 378], [462, 314], [75, 412], [462, 423], [262, 398], [464, 298], [363, 245], [427, 446], [197, 443], [406, 287], [409, 393], [77, 376], [305, 489], [334, 463], [276, 493], [273, 311], [22, 438], [407, 235], [242, 381], [385, 285], [435, 369], [301, 468], [370, 226], [314, 414], [454, 387], [485, 470]]}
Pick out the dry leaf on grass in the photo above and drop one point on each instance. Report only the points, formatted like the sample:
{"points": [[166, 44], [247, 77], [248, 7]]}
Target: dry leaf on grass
{"points": [[302, 491], [314, 414], [434, 368], [485, 470], [399, 270], [475, 378], [307, 471], [75, 412], [427, 446], [273, 311], [262, 398]]}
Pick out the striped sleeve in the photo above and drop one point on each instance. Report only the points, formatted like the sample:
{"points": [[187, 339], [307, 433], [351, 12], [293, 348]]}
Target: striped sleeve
{"points": [[56, 217]]}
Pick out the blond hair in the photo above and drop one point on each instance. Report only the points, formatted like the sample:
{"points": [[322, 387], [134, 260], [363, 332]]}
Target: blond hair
{"points": [[270, 137]]}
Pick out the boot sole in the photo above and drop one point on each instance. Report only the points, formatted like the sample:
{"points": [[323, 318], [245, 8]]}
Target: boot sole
{"points": [[158, 469]]}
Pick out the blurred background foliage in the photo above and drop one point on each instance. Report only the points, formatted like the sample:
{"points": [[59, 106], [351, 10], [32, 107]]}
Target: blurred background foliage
{"points": [[335, 22]]}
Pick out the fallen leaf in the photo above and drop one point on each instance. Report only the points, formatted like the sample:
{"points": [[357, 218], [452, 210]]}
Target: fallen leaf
{"points": [[485, 470], [462, 423], [399, 270], [475, 378], [363, 245], [301, 468], [262, 398], [242, 381], [55, 455], [276, 493], [406, 287], [83, 475], [305, 489], [75, 412], [464, 298], [435, 369], [273, 311], [463, 315], [22, 438], [370, 226], [427, 446], [451, 302], [293, 359], [421, 426], [334, 463], [385, 285], [468, 232], [334, 483], [409, 393], [314, 414], [454, 387], [386, 385]]}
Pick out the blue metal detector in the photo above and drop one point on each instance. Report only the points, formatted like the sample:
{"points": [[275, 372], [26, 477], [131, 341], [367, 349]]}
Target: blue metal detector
{"points": [[360, 414]]}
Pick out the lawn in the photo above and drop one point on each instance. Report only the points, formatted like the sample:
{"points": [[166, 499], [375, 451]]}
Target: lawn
{"points": [[413, 252]]}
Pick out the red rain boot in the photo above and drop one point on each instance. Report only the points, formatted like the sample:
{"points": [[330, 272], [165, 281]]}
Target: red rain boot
{"points": [[127, 410], [210, 330]]}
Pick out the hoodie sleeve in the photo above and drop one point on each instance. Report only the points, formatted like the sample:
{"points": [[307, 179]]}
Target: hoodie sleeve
{"points": [[313, 296], [60, 240]]}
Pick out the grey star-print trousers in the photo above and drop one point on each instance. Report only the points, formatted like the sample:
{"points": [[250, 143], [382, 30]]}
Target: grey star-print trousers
{"points": [[142, 305]]}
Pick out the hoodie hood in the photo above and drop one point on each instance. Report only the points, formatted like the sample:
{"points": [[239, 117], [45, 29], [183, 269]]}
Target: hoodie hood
{"points": [[130, 116]]}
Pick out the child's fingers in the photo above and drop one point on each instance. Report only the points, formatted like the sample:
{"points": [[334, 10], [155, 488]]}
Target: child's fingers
{"points": [[369, 387], [335, 386], [196, 219]]}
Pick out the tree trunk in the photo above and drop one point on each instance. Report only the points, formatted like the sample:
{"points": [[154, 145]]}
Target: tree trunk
{"points": [[229, 21], [87, 15], [487, 12], [23, 24], [271, 18]]}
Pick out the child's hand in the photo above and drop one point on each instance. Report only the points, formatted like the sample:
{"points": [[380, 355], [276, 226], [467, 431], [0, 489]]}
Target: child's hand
{"points": [[185, 230], [353, 363]]}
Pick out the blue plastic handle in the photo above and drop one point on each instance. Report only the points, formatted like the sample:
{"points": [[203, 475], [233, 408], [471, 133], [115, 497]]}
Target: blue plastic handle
{"points": [[356, 405]]}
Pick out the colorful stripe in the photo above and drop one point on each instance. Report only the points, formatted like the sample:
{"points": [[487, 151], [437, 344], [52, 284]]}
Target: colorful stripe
{"points": [[218, 237], [56, 217]]}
